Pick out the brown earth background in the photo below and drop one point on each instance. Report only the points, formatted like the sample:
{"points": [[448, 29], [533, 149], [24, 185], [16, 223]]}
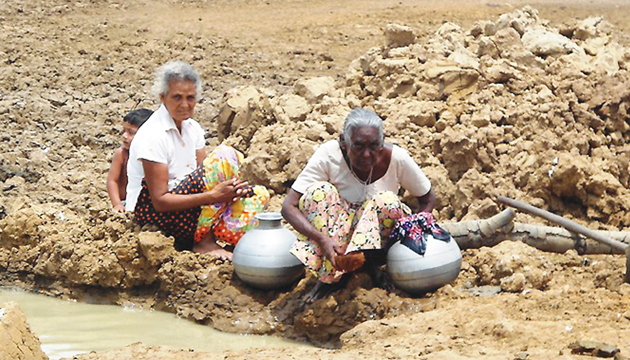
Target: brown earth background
{"points": [[468, 87]]}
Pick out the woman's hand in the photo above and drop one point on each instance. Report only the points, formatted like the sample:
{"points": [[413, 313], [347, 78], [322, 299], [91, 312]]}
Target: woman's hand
{"points": [[331, 250], [156, 176], [294, 216], [229, 190], [119, 208]]}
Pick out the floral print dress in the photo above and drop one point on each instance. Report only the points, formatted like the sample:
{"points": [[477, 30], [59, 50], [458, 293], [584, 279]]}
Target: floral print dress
{"points": [[228, 221], [353, 226]]}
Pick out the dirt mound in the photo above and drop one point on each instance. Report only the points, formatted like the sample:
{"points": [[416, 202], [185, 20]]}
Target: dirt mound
{"points": [[511, 106]]}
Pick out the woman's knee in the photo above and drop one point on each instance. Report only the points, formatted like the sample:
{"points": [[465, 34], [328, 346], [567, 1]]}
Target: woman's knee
{"points": [[321, 186], [387, 198], [222, 164], [225, 153], [317, 193]]}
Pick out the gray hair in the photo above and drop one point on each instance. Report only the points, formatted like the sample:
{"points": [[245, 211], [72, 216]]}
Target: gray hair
{"points": [[358, 118], [174, 70]]}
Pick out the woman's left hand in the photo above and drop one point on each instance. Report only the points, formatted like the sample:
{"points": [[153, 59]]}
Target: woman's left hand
{"points": [[229, 190]]}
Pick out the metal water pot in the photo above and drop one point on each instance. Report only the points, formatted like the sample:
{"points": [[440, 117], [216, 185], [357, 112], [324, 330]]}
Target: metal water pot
{"points": [[261, 257], [416, 273]]}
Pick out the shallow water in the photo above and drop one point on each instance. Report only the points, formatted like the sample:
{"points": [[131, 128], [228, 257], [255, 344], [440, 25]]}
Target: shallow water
{"points": [[68, 328]]}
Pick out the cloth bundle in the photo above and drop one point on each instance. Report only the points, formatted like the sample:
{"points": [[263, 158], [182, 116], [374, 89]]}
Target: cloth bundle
{"points": [[413, 230]]}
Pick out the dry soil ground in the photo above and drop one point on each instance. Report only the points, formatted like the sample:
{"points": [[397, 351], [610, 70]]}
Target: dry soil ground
{"points": [[70, 70]]}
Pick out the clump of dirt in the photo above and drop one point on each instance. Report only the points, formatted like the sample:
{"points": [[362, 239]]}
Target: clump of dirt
{"points": [[17, 341]]}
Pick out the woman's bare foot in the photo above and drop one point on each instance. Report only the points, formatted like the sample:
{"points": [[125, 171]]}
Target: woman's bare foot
{"points": [[210, 246], [321, 290], [318, 291]]}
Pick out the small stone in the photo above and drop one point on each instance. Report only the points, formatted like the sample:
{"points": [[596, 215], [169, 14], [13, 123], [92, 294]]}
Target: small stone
{"points": [[521, 356], [399, 36], [594, 348]]}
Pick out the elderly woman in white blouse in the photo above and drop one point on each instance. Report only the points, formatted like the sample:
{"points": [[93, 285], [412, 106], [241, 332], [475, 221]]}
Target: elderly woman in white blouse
{"points": [[198, 198], [345, 200]]}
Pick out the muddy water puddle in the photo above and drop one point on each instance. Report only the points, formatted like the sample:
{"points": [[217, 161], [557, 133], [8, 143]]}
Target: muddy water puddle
{"points": [[68, 328]]}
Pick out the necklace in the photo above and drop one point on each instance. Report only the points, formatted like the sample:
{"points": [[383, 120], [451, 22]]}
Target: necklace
{"points": [[365, 183]]}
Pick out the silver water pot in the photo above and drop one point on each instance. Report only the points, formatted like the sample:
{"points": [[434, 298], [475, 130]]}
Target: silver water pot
{"points": [[261, 257], [416, 274]]}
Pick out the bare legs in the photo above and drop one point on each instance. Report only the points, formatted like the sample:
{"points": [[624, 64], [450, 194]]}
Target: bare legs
{"points": [[373, 263], [208, 245]]}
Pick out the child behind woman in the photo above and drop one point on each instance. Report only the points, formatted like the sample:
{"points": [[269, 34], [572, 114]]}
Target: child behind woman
{"points": [[117, 176]]}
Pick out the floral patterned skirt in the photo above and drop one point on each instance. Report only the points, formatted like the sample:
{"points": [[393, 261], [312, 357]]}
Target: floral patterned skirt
{"points": [[227, 221], [355, 227]]}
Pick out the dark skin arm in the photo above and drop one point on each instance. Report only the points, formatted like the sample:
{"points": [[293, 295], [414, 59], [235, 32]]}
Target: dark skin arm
{"points": [[426, 202], [156, 176], [113, 179], [294, 216], [200, 155]]}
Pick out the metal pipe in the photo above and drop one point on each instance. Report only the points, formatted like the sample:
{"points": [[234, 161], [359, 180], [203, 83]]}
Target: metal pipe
{"points": [[566, 223]]}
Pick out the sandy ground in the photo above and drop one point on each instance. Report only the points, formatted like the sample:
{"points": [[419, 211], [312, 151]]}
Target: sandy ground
{"points": [[482, 110]]}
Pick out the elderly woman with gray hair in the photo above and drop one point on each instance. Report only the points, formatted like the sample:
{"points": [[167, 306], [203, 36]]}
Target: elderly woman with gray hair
{"points": [[345, 200], [199, 200]]}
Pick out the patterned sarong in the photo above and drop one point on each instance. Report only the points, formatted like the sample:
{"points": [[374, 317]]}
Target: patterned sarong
{"points": [[228, 221], [355, 227]]}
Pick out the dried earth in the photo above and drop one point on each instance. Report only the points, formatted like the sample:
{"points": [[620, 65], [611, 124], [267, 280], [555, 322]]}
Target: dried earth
{"points": [[489, 98], [17, 341]]}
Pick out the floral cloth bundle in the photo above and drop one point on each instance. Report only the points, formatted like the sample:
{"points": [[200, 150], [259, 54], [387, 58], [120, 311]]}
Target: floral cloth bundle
{"points": [[413, 230]]}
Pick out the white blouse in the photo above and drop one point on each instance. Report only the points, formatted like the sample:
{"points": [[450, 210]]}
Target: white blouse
{"points": [[158, 140], [328, 164]]}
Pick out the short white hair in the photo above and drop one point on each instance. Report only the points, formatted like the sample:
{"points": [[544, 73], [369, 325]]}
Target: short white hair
{"points": [[175, 70], [359, 118]]}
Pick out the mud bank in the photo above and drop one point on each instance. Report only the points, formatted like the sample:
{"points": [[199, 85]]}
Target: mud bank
{"points": [[16, 338]]}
